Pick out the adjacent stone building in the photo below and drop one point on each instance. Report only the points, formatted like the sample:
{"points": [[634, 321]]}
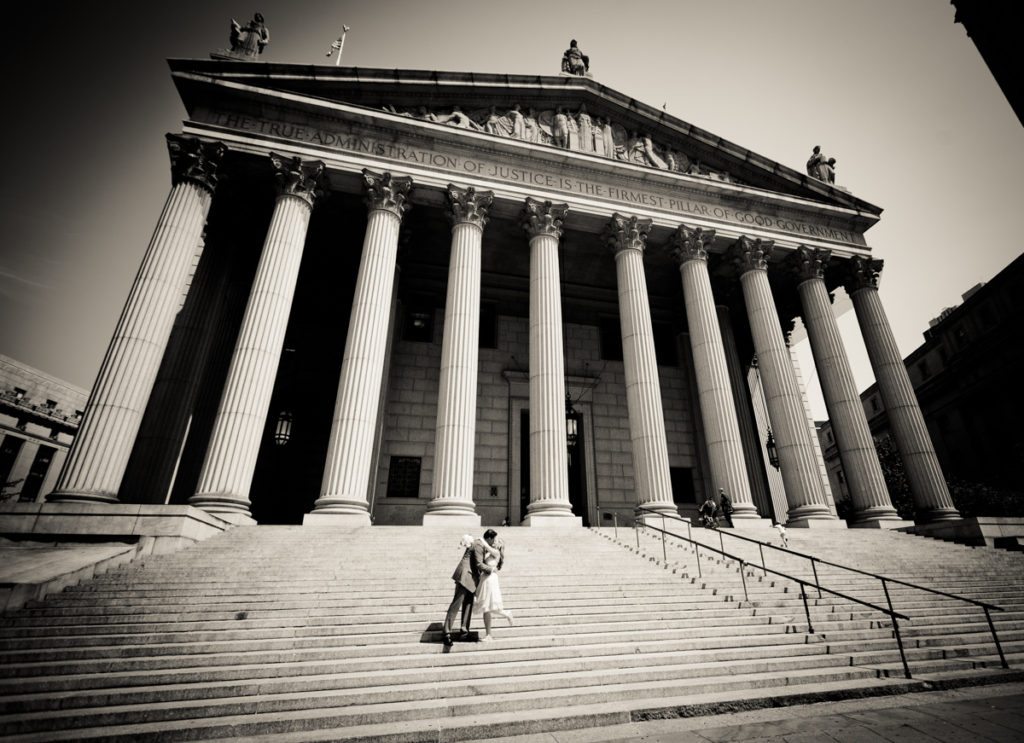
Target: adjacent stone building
{"points": [[39, 415], [436, 297]]}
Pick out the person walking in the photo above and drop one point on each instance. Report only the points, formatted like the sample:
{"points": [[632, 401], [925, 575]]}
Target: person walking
{"points": [[726, 506]]}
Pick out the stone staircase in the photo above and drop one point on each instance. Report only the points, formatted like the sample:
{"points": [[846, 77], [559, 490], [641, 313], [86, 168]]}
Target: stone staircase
{"points": [[330, 633]]}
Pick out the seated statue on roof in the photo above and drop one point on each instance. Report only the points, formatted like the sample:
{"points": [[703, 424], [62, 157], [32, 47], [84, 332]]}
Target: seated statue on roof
{"points": [[574, 61], [249, 40]]}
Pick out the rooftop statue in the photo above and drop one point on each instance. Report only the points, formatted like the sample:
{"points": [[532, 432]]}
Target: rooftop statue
{"points": [[820, 167], [574, 61], [249, 40]]}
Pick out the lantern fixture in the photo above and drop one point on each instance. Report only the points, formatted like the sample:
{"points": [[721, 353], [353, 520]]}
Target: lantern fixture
{"points": [[773, 452], [283, 428], [571, 431]]}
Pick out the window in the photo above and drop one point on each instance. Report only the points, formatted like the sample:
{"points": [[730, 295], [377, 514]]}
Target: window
{"points": [[404, 477], [923, 370], [418, 325], [488, 325], [611, 339], [51, 404], [19, 393], [874, 404], [682, 485], [9, 449], [36, 474]]}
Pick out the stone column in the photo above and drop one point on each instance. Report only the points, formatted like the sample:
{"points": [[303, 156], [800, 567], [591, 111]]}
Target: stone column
{"points": [[807, 503], [350, 448], [927, 484], [549, 465], [455, 441], [100, 451], [714, 389], [230, 461], [870, 496], [752, 444], [627, 237]]}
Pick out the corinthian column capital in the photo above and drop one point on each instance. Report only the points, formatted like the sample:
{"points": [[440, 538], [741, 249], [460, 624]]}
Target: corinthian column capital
{"points": [[387, 192], [752, 254], [691, 244], [809, 263], [194, 161], [543, 217], [297, 178], [862, 273], [468, 206], [626, 233]]}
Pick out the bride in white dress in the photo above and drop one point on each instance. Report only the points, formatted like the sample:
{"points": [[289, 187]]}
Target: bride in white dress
{"points": [[488, 590]]}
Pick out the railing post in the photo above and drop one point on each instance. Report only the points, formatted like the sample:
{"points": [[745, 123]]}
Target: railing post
{"points": [[896, 629], [689, 533], [999, 648], [807, 610], [636, 531], [743, 577], [664, 553], [814, 568], [764, 567], [615, 525], [721, 542], [696, 553]]}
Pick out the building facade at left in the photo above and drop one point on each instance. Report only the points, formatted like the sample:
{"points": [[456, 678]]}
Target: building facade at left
{"points": [[39, 416]]}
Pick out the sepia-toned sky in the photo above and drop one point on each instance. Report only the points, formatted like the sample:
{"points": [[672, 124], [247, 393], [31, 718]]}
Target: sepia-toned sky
{"points": [[895, 91]]}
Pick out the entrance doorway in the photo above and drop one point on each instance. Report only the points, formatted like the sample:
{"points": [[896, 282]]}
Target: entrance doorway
{"points": [[577, 469]]}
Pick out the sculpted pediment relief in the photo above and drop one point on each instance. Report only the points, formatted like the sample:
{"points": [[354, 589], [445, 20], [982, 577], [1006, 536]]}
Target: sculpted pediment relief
{"points": [[568, 128]]}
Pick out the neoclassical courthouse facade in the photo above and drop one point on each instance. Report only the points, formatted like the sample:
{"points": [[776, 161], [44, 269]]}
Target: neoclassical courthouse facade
{"points": [[430, 297]]}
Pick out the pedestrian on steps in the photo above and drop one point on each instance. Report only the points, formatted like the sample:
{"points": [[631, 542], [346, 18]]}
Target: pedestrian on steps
{"points": [[726, 506]]}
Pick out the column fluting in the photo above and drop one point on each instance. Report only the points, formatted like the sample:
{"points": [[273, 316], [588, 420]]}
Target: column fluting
{"points": [[870, 496], [714, 388], [782, 394], [455, 440], [549, 465], [99, 454], [349, 454], [932, 501], [627, 237], [230, 462]]}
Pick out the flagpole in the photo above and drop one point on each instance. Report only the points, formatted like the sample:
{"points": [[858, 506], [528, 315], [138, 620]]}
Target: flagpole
{"points": [[339, 44]]}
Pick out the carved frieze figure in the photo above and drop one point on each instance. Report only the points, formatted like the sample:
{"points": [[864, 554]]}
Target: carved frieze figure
{"points": [[586, 130], [458, 119], [560, 129], [423, 113], [497, 124], [574, 61], [820, 167], [598, 135], [249, 40], [652, 157], [517, 121]]}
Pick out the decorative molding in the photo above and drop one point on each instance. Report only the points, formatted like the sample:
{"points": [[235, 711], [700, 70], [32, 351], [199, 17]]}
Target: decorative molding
{"points": [[297, 178], [752, 254], [543, 217], [387, 192], [690, 244], [468, 206], [862, 273], [809, 263], [194, 161], [567, 129], [627, 233]]}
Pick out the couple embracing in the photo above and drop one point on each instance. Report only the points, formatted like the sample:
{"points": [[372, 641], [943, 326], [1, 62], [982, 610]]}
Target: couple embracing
{"points": [[476, 585]]}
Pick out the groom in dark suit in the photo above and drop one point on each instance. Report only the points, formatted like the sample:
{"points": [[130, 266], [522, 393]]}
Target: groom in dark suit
{"points": [[465, 576]]}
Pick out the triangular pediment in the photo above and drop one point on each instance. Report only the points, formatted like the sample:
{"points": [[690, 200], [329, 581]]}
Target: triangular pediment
{"points": [[569, 112]]}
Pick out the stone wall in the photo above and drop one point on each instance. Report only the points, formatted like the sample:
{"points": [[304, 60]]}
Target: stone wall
{"points": [[597, 386]]}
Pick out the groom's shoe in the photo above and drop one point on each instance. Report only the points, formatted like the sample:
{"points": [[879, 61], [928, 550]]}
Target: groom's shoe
{"points": [[448, 640]]}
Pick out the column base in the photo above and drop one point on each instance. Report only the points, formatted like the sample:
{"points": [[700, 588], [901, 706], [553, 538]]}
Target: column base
{"points": [[451, 518], [336, 518], [821, 522], [938, 514], [72, 496], [552, 519], [231, 508], [894, 523]]}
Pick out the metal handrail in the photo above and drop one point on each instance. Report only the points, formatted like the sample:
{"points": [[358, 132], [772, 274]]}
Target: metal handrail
{"points": [[985, 606], [894, 615]]}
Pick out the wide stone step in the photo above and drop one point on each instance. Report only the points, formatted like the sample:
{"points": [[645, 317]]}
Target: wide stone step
{"points": [[318, 710]]}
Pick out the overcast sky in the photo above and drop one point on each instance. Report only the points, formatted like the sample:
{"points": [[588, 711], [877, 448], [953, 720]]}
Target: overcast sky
{"points": [[894, 91]]}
